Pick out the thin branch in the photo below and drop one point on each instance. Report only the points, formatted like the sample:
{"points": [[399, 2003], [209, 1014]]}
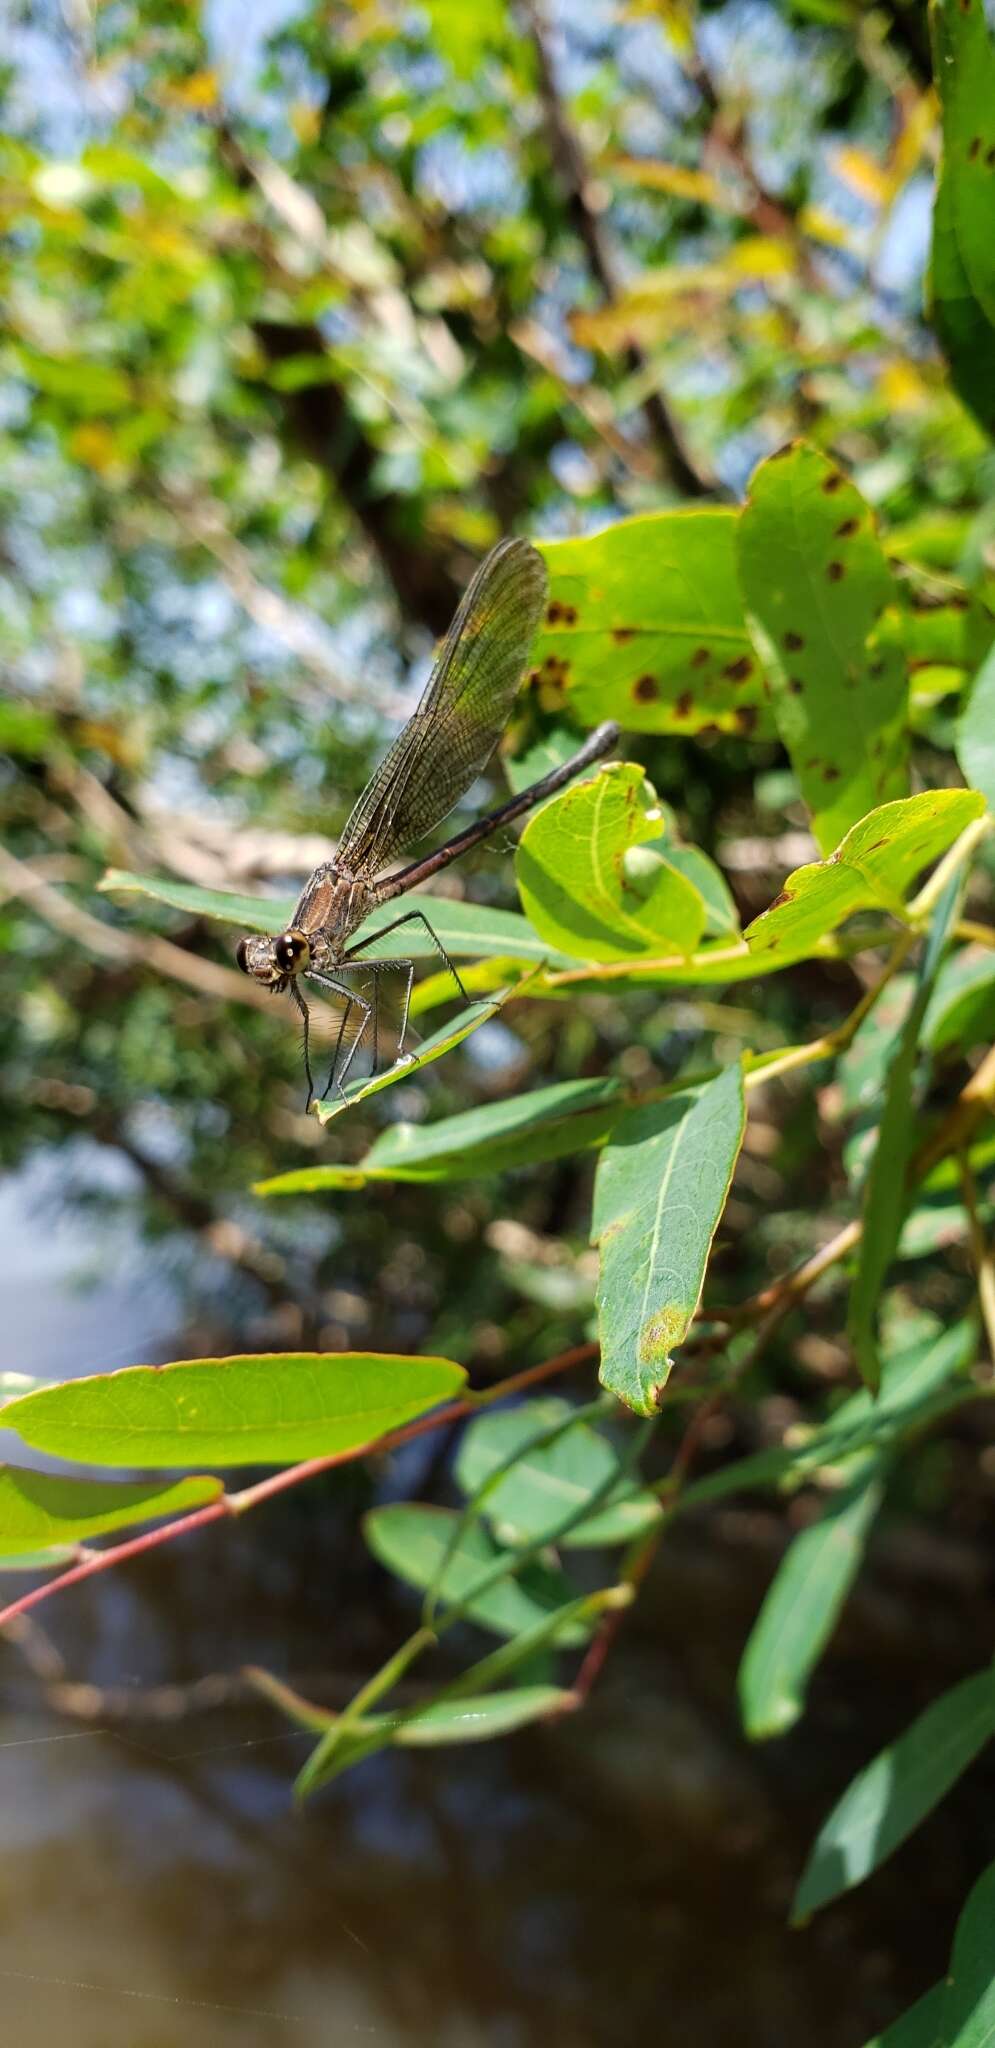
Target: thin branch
{"points": [[982, 1253], [294, 1475], [572, 171]]}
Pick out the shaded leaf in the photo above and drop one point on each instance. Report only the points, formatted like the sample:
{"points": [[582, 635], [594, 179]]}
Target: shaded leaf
{"points": [[413, 1541], [544, 1124], [802, 1607], [548, 1481], [872, 868], [919, 2027], [895, 1792], [968, 2017], [816, 581], [646, 625], [961, 288], [660, 1190], [270, 1409], [961, 1009], [590, 883]]}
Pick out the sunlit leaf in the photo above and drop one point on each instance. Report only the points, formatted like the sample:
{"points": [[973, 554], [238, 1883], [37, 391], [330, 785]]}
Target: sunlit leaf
{"points": [[873, 868], [544, 1124], [816, 581], [475, 929], [589, 882], [272, 1409], [660, 1190], [646, 624]]}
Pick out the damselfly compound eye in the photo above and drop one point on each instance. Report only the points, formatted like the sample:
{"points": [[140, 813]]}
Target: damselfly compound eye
{"points": [[291, 953], [242, 955]]}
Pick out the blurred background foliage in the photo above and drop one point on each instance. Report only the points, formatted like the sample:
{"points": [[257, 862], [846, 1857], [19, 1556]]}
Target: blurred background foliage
{"points": [[304, 306]]}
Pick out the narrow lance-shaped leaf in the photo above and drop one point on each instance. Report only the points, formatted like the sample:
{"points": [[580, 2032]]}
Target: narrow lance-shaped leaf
{"points": [[885, 1191], [41, 1508], [873, 868], [468, 1020], [919, 2027], [802, 1607], [816, 580], [271, 1409], [660, 1190], [476, 930], [894, 1793], [589, 882], [544, 1124], [646, 624], [968, 2017]]}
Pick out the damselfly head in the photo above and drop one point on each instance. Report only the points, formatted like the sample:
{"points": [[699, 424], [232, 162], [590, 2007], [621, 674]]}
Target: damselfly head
{"points": [[273, 962]]}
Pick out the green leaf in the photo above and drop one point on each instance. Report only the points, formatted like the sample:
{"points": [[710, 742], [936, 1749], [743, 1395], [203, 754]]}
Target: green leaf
{"points": [[659, 1193], [545, 1124], [412, 1541], [961, 1009], [802, 1607], [919, 2027], [50, 1560], [271, 1409], [38, 1509], [589, 882], [968, 2019], [721, 915], [550, 1480], [886, 1191], [439, 1042], [474, 929], [895, 1792], [976, 735], [872, 868], [816, 582], [919, 1382], [646, 625], [966, 335]]}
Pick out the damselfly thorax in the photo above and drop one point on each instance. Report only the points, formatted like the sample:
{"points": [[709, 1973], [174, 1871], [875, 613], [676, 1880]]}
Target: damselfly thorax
{"points": [[444, 746]]}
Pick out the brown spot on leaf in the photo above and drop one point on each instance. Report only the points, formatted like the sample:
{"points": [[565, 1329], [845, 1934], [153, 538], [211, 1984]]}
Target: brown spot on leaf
{"points": [[830, 774], [960, 603], [620, 634], [793, 641], [645, 689], [795, 685], [786, 896], [700, 656], [659, 1332], [876, 668], [554, 613], [746, 718], [847, 528], [990, 156], [833, 482], [570, 615], [874, 846], [737, 671], [973, 147], [533, 675], [710, 732], [684, 705], [835, 572]]}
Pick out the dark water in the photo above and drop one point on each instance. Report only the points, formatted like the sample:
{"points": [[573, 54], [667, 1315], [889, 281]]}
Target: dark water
{"points": [[623, 1877]]}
